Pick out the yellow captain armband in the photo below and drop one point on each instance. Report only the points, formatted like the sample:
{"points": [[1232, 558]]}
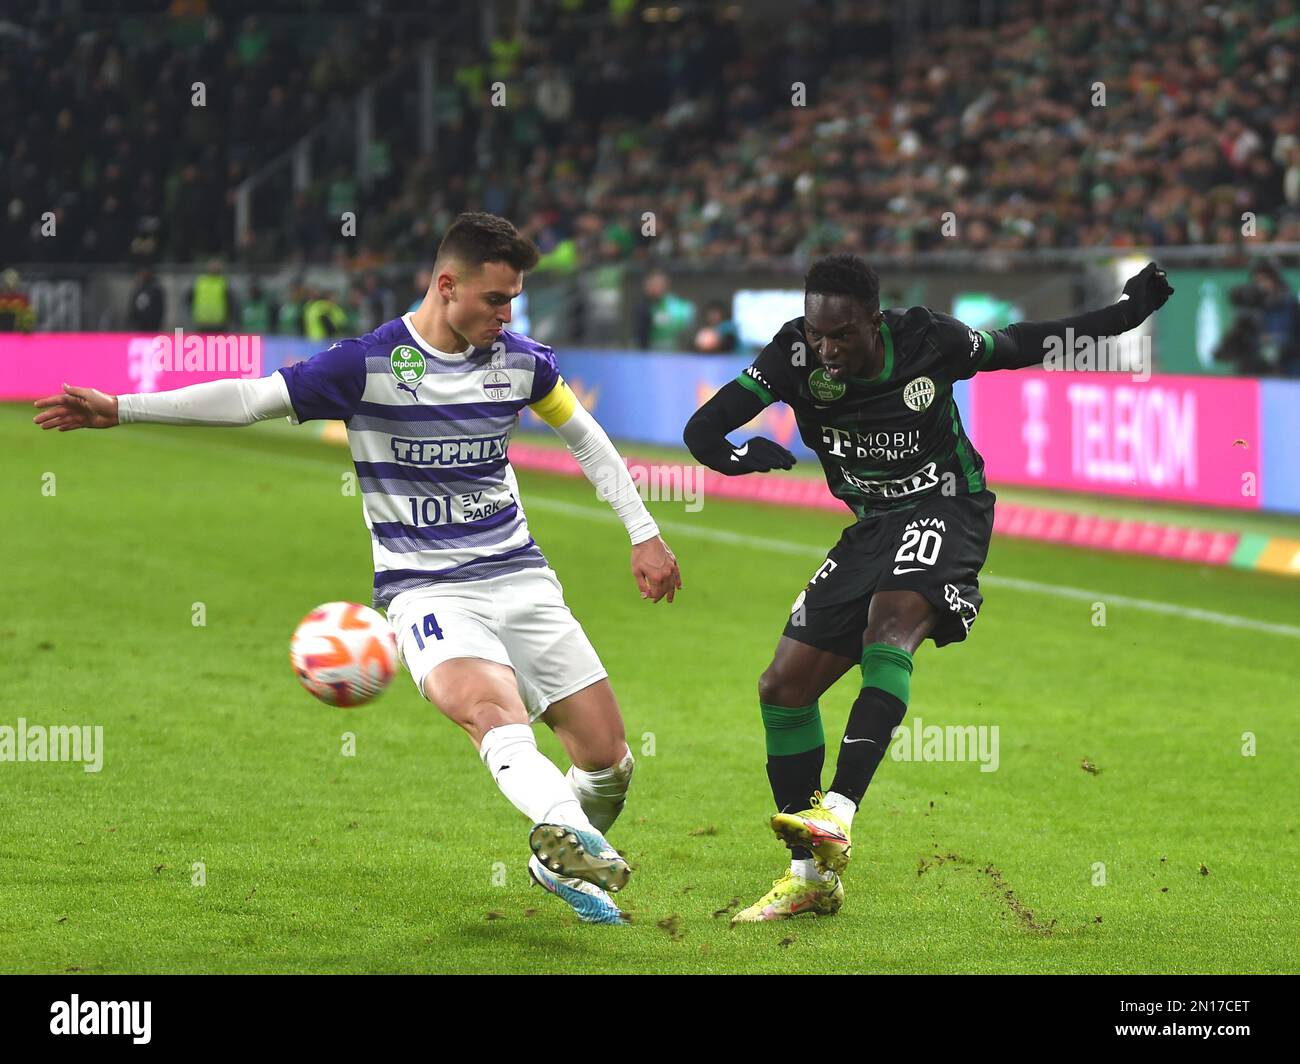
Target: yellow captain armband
{"points": [[557, 405]]}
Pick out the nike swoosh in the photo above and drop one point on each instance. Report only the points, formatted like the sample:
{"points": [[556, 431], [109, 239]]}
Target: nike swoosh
{"points": [[918, 569], [740, 452], [848, 740]]}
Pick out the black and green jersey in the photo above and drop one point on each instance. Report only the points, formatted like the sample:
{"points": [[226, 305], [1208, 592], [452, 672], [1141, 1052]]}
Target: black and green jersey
{"points": [[893, 439]]}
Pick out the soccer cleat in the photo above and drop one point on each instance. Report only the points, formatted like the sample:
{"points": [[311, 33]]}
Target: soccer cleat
{"points": [[819, 830], [592, 904], [792, 895], [578, 854]]}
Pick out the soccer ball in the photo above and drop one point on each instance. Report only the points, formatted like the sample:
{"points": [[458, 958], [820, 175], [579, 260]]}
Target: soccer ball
{"points": [[343, 653]]}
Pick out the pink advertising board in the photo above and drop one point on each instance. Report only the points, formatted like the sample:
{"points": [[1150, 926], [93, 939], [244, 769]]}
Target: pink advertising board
{"points": [[1155, 538], [33, 366], [1176, 439]]}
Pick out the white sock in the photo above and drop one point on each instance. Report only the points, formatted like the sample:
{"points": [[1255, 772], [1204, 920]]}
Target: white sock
{"points": [[602, 792], [842, 807], [532, 782], [807, 869]]}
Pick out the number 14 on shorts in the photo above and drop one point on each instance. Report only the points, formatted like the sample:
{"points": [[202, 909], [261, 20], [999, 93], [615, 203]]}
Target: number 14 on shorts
{"points": [[430, 625]]}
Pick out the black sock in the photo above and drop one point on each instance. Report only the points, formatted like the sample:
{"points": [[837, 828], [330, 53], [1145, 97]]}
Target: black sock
{"points": [[872, 721], [796, 752], [875, 715], [794, 779]]}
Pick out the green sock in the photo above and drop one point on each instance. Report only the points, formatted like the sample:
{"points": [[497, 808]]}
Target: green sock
{"points": [[796, 748]]}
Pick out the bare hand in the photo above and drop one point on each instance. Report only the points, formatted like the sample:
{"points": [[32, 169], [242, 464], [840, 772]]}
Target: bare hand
{"points": [[655, 569], [77, 408]]}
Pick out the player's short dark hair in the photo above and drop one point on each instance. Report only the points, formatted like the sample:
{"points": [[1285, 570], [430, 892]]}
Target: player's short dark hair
{"points": [[476, 237], [844, 275]]}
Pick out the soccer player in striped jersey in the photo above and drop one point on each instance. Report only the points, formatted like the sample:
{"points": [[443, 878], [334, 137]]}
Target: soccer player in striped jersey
{"points": [[430, 401]]}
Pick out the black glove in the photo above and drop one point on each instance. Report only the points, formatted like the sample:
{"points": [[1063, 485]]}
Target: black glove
{"points": [[756, 456], [1147, 292]]}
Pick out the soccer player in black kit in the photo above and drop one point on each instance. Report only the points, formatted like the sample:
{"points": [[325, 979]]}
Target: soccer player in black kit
{"points": [[872, 394]]}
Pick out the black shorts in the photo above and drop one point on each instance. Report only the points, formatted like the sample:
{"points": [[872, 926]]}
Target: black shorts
{"points": [[936, 547]]}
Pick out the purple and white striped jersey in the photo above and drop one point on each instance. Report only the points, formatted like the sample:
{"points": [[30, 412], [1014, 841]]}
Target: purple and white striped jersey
{"points": [[429, 432]]}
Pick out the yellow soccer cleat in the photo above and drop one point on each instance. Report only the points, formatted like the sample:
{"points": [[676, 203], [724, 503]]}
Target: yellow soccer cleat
{"points": [[819, 830], [792, 895]]}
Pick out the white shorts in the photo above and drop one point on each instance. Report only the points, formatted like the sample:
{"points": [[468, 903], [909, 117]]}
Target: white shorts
{"points": [[519, 620]]}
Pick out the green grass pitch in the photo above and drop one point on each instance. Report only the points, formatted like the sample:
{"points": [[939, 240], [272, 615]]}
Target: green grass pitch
{"points": [[405, 858]]}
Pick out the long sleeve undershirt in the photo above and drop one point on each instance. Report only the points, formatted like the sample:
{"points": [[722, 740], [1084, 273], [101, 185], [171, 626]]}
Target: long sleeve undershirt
{"points": [[605, 468], [225, 402]]}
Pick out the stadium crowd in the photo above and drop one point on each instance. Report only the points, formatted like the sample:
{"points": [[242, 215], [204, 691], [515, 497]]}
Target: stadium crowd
{"points": [[1122, 122]]}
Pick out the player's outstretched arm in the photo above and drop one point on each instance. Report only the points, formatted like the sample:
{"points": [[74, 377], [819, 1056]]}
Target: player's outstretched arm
{"points": [[1025, 343], [705, 434], [218, 403], [653, 565]]}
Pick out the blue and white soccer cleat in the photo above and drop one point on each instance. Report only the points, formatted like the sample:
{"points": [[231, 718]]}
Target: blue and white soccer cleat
{"points": [[592, 904], [578, 854]]}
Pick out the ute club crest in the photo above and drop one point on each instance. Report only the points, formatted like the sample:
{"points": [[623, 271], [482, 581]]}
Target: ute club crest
{"points": [[496, 385]]}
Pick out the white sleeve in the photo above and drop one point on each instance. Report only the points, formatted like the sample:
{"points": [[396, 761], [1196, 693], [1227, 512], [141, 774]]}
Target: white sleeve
{"points": [[226, 402], [606, 469]]}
